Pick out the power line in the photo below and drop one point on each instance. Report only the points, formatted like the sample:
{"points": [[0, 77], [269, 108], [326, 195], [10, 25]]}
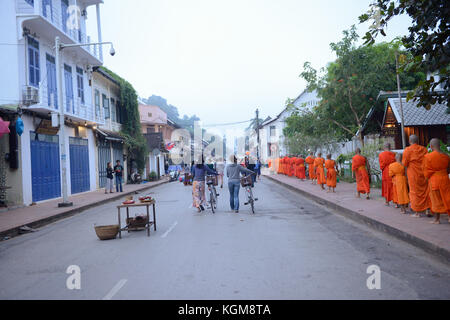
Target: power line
{"points": [[226, 124]]}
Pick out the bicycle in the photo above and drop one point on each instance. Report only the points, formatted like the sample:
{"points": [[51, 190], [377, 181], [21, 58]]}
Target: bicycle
{"points": [[247, 183], [211, 181]]}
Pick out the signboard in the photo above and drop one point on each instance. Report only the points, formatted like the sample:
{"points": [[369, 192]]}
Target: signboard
{"points": [[45, 127]]}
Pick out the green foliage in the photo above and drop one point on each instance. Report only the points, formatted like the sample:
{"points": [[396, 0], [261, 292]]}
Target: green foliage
{"points": [[152, 176], [427, 42], [444, 148], [131, 127], [349, 86]]}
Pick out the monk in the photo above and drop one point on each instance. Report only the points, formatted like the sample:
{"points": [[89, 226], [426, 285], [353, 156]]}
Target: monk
{"points": [[320, 172], [301, 170], [312, 171], [331, 167], [286, 165], [280, 165], [386, 158], [291, 163], [413, 158], [436, 170], [360, 168], [398, 173]]}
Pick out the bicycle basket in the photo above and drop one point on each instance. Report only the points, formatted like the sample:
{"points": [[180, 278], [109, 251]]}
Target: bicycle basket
{"points": [[211, 180], [246, 181]]}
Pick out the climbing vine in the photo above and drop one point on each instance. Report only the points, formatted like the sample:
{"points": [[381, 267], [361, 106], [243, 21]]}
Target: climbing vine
{"points": [[131, 126]]}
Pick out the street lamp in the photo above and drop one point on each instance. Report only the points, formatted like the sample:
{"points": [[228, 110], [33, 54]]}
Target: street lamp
{"points": [[62, 134]]}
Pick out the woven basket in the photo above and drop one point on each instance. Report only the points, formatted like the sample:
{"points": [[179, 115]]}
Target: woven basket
{"points": [[246, 181], [212, 180], [107, 232]]}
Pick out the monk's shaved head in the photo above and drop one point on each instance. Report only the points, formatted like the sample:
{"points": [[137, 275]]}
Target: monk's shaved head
{"points": [[413, 139], [328, 156], [358, 150], [387, 146], [435, 144], [319, 154]]}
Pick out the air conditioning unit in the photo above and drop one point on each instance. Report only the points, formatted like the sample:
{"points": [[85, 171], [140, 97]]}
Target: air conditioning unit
{"points": [[30, 95]]}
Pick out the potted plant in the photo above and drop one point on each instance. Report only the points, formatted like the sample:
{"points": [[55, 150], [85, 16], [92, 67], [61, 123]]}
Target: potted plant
{"points": [[152, 176]]}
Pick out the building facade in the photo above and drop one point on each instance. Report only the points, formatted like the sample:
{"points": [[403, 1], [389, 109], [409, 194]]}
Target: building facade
{"points": [[29, 90]]}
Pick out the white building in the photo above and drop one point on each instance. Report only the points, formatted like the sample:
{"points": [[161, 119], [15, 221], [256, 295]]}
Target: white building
{"points": [[272, 140], [29, 89]]}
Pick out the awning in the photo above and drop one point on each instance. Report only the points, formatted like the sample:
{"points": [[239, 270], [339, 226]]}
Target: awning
{"points": [[110, 135]]}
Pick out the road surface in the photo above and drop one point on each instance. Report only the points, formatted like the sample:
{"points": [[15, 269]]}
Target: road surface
{"points": [[291, 248]]}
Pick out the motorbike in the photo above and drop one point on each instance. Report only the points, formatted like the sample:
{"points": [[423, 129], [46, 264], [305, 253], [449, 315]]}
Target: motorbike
{"points": [[136, 178], [173, 175]]}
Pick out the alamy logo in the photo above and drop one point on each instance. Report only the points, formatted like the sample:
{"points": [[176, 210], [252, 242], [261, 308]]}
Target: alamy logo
{"points": [[74, 280], [374, 280]]}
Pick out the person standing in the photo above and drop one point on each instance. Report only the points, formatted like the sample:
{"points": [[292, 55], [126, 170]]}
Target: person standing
{"points": [[397, 171], [301, 170], [220, 168], [258, 169], [331, 167], [234, 181], [360, 168], [413, 158], [109, 178], [437, 169], [320, 173], [118, 170], [312, 171], [386, 158], [200, 170]]}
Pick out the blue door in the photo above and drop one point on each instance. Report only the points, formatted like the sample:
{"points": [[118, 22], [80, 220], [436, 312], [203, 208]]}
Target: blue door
{"points": [[45, 170], [52, 93], [79, 165], [70, 107]]}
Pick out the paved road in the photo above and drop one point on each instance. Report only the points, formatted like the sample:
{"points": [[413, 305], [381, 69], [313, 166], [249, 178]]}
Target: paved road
{"points": [[290, 249]]}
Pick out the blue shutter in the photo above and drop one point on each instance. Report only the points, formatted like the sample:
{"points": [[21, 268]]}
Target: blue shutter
{"points": [[70, 106], [51, 81], [33, 62], [65, 15], [80, 84]]}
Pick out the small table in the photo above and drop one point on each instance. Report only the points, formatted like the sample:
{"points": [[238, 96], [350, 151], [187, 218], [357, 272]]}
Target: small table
{"points": [[141, 204]]}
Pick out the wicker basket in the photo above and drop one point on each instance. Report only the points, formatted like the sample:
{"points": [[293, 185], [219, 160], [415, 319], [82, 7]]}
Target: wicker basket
{"points": [[246, 181], [212, 180], [107, 232], [137, 224]]}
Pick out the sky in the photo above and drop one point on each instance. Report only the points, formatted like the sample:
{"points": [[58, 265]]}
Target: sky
{"points": [[222, 59]]}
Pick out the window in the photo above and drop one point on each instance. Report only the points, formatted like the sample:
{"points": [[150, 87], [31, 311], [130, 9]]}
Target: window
{"points": [[47, 9], [106, 106], [65, 15], [31, 2], [272, 131], [149, 114], [80, 84], [33, 63], [97, 103], [113, 110], [150, 129]]}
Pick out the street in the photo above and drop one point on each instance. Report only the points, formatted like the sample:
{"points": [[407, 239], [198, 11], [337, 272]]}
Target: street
{"points": [[291, 248]]}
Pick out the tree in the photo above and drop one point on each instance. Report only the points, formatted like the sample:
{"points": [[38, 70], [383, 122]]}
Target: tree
{"points": [[428, 42], [349, 86]]}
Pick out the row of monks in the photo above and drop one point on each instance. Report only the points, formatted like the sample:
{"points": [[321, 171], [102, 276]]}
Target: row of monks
{"points": [[416, 178], [296, 166]]}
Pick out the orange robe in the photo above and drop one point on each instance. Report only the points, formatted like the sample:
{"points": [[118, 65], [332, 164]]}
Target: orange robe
{"points": [[278, 168], [320, 172], [397, 172], [330, 165], [413, 157], [435, 169], [362, 176], [286, 165], [291, 162], [301, 170], [312, 172], [387, 189]]}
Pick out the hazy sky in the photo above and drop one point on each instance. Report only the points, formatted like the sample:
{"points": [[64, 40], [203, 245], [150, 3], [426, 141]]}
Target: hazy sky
{"points": [[222, 59]]}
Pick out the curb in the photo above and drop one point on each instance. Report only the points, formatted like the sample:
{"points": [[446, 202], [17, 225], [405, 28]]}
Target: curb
{"points": [[45, 221], [429, 247]]}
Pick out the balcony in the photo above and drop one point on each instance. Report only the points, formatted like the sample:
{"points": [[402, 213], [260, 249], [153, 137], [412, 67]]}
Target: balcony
{"points": [[47, 19], [40, 101]]}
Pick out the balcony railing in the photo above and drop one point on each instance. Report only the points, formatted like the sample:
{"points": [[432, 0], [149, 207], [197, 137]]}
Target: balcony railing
{"points": [[52, 11]]}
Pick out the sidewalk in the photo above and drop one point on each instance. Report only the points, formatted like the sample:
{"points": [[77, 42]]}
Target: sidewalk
{"points": [[417, 231], [47, 212]]}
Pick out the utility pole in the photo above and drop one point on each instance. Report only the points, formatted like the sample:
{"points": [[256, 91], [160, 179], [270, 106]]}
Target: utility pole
{"points": [[257, 134], [401, 104]]}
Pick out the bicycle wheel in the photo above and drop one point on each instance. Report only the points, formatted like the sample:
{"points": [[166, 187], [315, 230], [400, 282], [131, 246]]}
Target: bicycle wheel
{"points": [[212, 200]]}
